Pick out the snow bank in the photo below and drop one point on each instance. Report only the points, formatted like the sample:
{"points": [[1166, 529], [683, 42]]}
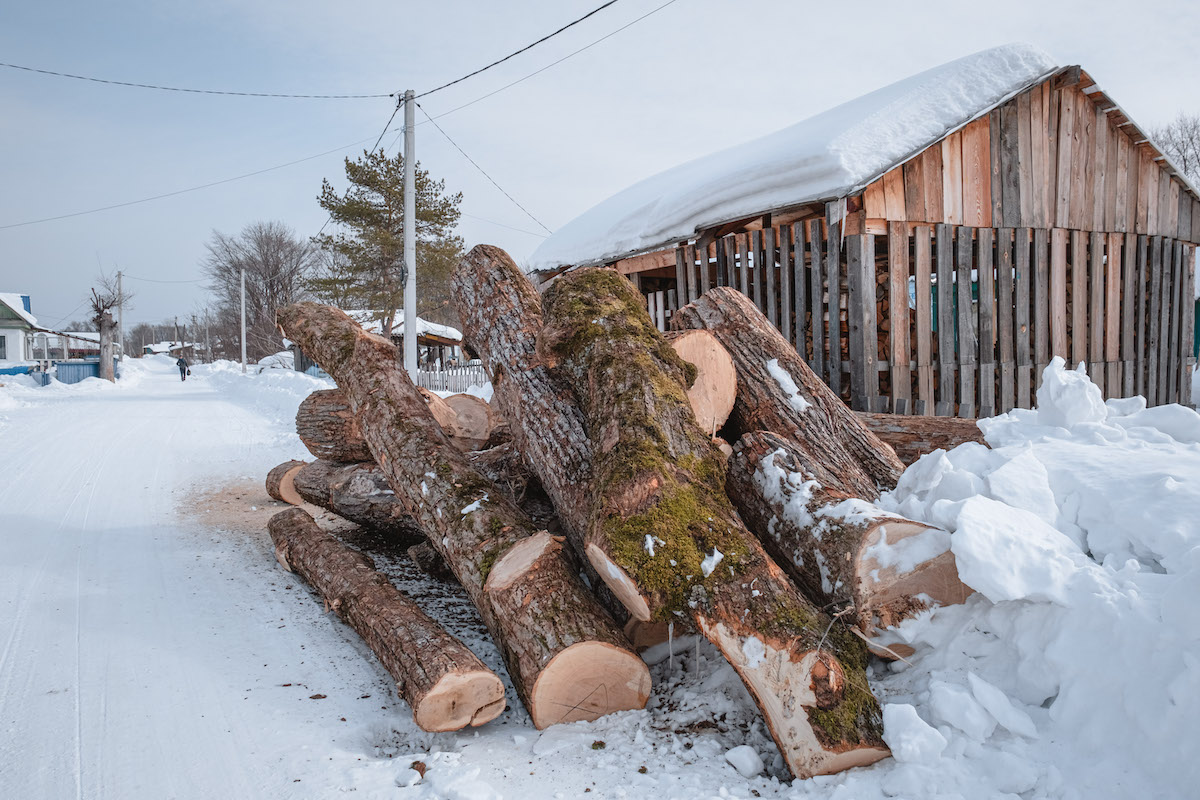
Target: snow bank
{"points": [[274, 393], [820, 158]]}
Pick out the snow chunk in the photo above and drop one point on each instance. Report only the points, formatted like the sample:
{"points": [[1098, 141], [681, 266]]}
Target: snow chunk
{"points": [[710, 562], [911, 738], [999, 706], [745, 760], [754, 651], [474, 506], [954, 705], [907, 553], [788, 386], [1068, 398]]}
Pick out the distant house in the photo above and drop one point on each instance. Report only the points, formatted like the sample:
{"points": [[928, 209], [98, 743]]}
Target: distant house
{"points": [[16, 325], [187, 350], [930, 246]]}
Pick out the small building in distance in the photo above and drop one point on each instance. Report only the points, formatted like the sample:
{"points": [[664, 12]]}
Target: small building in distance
{"points": [[17, 322], [187, 350], [930, 246]]}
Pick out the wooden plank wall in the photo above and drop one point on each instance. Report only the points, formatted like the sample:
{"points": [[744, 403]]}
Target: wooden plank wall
{"points": [[977, 312]]}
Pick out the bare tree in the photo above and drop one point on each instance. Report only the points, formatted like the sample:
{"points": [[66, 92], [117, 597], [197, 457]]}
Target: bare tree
{"points": [[1180, 141], [277, 265], [103, 302]]}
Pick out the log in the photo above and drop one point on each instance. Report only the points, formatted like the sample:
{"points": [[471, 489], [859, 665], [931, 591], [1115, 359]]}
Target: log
{"points": [[650, 475], [358, 492], [567, 658], [444, 683], [473, 418], [778, 392], [430, 562], [842, 552], [914, 436], [714, 389], [327, 427], [280, 484]]}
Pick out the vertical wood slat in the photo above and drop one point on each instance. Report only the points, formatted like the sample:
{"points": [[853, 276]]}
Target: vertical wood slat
{"points": [[945, 314], [986, 314], [706, 259], [1025, 165], [833, 277], [1081, 164], [966, 324], [681, 269], [893, 194], [1123, 187], [1143, 329], [726, 258], [1187, 289], [1079, 298], [922, 258], [691, 292], [934, 201], [1112, 316], [768, 275], [816, 297], [859, 280], [1099, 191], [977, 174], [785, 282], [1065, 141], [1004, 320], [1037, 156], [756, 258], [952, 179], [1010, 165], [914, 189], [1153, 326], [1128, 318], [1058, 293], [660, 309], [1050, 109], [1096, 311], [1164, 358], [898, 315], [1040, 291], [743, 266], [1022, 286], [1174, 348], [995, 149], [800, 287]]}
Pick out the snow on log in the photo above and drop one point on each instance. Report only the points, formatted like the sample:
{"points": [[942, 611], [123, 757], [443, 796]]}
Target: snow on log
{"points": [[568, 659], [778, 392], [280, 483], [841, 551], [913, 436], [358, 492], [446, 685], [714, 390], [327, 427], [650, 507]]}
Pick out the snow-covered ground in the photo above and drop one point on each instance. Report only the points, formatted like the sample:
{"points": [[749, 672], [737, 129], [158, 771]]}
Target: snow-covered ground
{"points": [[150, 647]]}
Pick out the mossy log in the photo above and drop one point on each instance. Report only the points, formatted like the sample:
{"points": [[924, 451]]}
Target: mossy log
{"points": [[446, 685], [645, 492], [328, 429], [913, 436], [842, 552], [567, 658], [358, 492], [799, 406], [280, 483]]}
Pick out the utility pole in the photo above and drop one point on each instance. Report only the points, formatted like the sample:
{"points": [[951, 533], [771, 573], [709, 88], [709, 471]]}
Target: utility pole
{"points": [[177, 339], [410, 236], [207, 339], [120, 317], [243, 337]]}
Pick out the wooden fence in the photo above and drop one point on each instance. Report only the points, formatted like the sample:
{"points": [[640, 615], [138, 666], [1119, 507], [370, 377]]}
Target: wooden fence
{"points": [[452, 379], [957, 320]]}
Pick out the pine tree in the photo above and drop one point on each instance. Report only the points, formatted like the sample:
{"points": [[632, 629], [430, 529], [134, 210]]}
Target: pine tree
{"points": [[364, 264]]}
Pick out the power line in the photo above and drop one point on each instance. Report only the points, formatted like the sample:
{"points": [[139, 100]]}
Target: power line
{"points": [[481, 170], [197, 91], [502, 225], [548, 36], [382, 133]]}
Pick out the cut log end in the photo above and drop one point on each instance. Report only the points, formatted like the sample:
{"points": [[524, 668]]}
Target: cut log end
{"points": [[281, 483], [713, 392], [517, 560], [618, 580], [586, 681], [460, 699], [888, 595]]}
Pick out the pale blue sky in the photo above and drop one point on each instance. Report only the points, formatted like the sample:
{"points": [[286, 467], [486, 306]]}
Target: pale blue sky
{"points": [[696, 76]]}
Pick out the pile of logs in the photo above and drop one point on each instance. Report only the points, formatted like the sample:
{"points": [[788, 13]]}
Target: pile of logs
{"points": [[619, 479]]}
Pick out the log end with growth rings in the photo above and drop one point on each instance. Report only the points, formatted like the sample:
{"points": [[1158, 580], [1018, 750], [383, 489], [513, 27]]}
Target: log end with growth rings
{"points": [[459, 700], [586, 681]]}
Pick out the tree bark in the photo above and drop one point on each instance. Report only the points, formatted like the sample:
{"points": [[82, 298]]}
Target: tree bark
{"points": [[842, 552], [446, 685], [281, 483], [914, 436], [358, 492], [106, 325], [807, 411], [649, 479], [328, 429], [567, 658], [430, 562]]}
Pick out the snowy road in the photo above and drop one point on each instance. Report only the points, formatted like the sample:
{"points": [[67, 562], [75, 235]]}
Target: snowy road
{"points": [[142, 656]]}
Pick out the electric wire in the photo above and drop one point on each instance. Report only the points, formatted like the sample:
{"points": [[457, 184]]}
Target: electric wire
{"points": [[482, 171]]}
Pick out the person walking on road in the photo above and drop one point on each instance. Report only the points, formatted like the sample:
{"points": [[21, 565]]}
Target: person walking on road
{"points": [[183, 365]]}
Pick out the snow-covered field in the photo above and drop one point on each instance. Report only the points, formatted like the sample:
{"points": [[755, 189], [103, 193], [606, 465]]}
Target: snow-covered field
{"points": [[150, 647]]}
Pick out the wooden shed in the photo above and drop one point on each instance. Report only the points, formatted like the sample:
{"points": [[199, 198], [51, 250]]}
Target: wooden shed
{"points": [[1009, 212]]}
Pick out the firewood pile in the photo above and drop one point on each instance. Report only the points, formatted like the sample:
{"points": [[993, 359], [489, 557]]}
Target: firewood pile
{"points": [[618, 480]]}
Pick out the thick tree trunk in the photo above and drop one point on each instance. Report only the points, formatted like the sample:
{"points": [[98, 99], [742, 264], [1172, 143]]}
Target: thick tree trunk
{"points": [[651, 511], [446, 685], [841, 551], [358, 492], [281, 483], [914, 436], [778, 392], [328, 429], [714, 390], [567, 658]]}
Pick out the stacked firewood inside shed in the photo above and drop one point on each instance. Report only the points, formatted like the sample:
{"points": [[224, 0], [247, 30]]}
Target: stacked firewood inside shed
{"points": [[619, 479]]}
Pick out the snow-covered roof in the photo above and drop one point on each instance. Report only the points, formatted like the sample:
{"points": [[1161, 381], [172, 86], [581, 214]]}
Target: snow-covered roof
{"points": [[167, 347], [14, 301], [370, 322], [824, 157]]}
